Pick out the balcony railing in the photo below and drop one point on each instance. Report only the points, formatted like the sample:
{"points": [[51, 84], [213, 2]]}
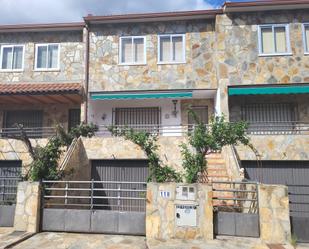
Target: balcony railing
{"points": [[36, 132], [292, 128], [279, 128]]}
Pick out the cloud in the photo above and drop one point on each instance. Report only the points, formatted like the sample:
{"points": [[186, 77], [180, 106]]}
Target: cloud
{"points": [[41, 11]]}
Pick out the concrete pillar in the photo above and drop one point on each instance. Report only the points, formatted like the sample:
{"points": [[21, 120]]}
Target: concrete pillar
{"points": [[275, 225], [27, 213], [161, 212]]}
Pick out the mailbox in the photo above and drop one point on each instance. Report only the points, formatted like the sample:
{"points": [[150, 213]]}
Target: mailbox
{"points": [[186, 215], [186, 193]]}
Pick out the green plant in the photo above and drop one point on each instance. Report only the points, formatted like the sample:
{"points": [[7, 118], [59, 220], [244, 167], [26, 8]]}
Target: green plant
{"points": [[45, 158], [293, 240], [206, 139], [148, 143]]}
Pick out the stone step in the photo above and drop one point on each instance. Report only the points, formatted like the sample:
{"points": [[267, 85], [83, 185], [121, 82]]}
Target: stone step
{"points": [[214, 155], [216, 161]]}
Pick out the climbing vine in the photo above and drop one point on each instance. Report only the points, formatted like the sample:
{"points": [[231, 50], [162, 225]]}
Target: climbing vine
{"points": [[45, 158], [204, 139], [148, 143]]}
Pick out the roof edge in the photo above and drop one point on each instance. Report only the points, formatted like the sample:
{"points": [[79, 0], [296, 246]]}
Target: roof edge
{"points": [[73, 26], [264, 5], [149, 17]]}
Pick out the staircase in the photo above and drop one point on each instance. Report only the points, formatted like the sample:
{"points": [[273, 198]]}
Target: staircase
{"points": [[216, 168]]}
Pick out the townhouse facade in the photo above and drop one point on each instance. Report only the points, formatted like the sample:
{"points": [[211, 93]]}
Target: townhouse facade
{"points": [[249, 61]]}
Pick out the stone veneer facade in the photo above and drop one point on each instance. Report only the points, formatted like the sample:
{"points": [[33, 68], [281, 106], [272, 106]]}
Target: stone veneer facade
{"points": [[72, 53], [197, 73]]}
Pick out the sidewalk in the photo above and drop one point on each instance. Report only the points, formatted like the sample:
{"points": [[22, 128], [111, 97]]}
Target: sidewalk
{"points": [[9, 237], [222, 242]]}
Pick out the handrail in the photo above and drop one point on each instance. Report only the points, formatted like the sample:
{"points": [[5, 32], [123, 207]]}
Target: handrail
{"points": [[237, 160]]}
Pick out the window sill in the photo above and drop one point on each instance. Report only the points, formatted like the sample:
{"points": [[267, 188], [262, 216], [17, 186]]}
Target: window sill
{"points": [[275, 54], [306, 53], [132, 64], [11, 71], [47, 70], [172, 62]]}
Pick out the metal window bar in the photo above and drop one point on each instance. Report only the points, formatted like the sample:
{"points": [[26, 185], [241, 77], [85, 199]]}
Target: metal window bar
{"points": [[8, 190], [234, 196], [35, 132], [107, 195]]}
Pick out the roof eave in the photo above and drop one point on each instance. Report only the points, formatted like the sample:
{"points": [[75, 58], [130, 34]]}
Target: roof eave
{"points": [[52, 27], [230, 7], [153, 17]]}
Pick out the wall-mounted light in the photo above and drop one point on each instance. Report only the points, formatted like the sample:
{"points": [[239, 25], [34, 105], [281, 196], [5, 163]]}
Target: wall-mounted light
{"points": [[103, 116], [175, 112]]}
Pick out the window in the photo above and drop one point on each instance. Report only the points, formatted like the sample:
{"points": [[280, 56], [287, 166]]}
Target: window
{"points": [[171, 49], [140, 118], [12, 57], [32, 121], [47, 56], [306, 37], [132, 50], [274, 39], [269, 116]]}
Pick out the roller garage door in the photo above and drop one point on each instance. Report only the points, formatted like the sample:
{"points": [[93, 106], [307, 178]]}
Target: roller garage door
{"points": [[294, 174]]}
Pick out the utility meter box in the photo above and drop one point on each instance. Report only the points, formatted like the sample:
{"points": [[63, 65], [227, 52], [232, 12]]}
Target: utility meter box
{"points": [[186, 215], [186, 193]]}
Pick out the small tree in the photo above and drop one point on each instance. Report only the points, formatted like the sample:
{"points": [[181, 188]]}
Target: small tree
{"points": [[148, 143], [45, 159], [206, 139]]}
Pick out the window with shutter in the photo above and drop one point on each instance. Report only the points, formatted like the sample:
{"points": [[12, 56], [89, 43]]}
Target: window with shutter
{"points": [[171, 49], [132, 50], [274, 39], [47, 56], [12, 57], [306, 37]]}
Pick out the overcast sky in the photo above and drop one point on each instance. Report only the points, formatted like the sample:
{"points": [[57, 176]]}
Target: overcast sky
{"points": [[44, 11]]}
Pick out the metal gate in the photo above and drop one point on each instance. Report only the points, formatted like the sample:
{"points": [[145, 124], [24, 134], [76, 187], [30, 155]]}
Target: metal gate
{"points": [[294, 174], [9, 178], [114, 201], [236, 210]]}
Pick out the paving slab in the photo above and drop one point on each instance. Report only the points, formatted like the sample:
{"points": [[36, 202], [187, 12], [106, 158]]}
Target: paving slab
{"points": [[221, 242], [49, 240], [9, 237]]}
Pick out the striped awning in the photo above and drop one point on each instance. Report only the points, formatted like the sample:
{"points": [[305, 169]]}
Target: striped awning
{"points": [[141, 95], [293, 89]]}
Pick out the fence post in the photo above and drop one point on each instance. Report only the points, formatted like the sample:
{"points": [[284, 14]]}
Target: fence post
{"points": [[118, 202], [92, 186], [66, 193]]}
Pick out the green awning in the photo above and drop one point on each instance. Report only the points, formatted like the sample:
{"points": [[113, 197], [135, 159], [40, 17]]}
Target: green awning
{"points": [[148, 95], [268, 90]]}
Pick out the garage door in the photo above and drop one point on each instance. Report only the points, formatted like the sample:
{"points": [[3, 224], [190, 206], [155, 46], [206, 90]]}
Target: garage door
{"points": [[9, 177], [113, 201], [294, 174]]}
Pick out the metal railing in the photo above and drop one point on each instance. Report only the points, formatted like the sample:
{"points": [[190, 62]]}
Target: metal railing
{"points": [[106, 195], [278, 128], [232, 196], [35, 132], [8, 189], [273, 128]]}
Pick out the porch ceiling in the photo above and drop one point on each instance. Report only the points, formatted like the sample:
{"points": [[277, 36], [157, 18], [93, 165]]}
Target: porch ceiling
{"points": [[41, 93]]}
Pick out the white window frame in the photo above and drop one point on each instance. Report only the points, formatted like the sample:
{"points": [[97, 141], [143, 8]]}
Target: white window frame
{"points": [[36, 57], [287, 37], [23, 58], [306, 50], [183, 48], [132, 43]]}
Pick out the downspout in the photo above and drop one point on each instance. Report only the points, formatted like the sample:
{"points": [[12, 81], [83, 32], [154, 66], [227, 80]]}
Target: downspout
{"points": [[86, 80]]}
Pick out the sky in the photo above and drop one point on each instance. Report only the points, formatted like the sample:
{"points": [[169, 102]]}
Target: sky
{"points": [[45, 11]]}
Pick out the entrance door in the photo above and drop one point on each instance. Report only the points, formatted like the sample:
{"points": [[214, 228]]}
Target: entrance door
{"points": [[9, 177], [295, 175]]}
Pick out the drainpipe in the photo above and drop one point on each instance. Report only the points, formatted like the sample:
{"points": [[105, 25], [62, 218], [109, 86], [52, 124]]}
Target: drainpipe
{"points": [[86, 80]]}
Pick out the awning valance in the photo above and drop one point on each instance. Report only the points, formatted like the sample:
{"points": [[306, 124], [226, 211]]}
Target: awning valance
{"points": [[293, 89], [141, 95]]}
